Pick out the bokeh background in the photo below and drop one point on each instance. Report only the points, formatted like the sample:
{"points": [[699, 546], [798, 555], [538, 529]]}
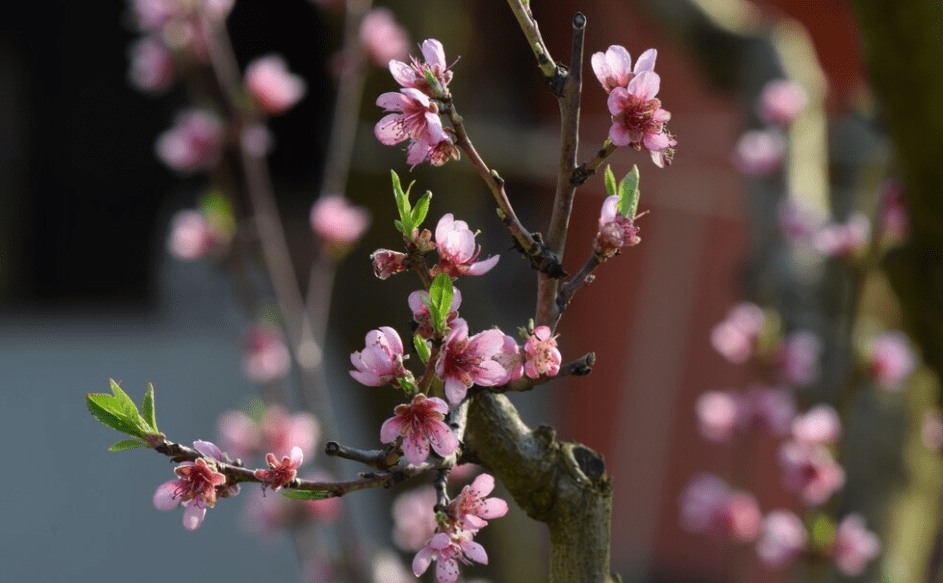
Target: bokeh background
{"points": [[88, 291]]}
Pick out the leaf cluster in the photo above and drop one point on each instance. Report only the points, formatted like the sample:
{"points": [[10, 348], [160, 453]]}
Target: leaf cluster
{"points": [[119, 412]]}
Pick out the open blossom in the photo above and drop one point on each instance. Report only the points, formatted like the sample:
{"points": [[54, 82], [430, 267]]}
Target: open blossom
{"points": [[280, 473], [272, 86], [718, 413], [448, 550], [855, 546], [387, 262], [337, 222], [382, 37], [782, 537], [414, 117], [193, 143], [614, 67], [615, 230], [760, 152], [509, 357], [465, 361], [381, 361], [418, 301], [781, 101], [414, 518], [818, 425], [420, 423], [890, 360], [471, 509], [735, 337], [265, 357], [196, 486], [542, 354], [457, 249], [709, 506], [413, 75], [638, 119], [811, 471]]}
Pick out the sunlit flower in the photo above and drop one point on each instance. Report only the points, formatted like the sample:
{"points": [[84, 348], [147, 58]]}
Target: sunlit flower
{"points": [[448, 550], [615, 230], [280, 473], [196, 486], [414, 75], [638, 119], [418, 304], [541, 353], [465, 361], [421, 425], [470, 508], [381, 361], [457, 249], [614, 67]]}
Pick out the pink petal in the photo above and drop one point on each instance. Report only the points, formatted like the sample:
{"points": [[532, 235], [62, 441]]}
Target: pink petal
{"points": [[446, 571], [415, 448], [164, 498], [366, 378], [393, 101], [474, 522], [619, 135], [444, 227], [646, 61], [416, 96], [483, 267], [616, 100], [442, 439], [440, 541], [475, 551], [455, 390], [391, 429], [438, 405], [194, 514], [422, 560], [655, 142], [490, 373], [600, 68], [482, 486], [416, 301], [645, 85], [208, 449], [402, 73], [389, 131], [392, 337], [493, 508], [609, 208], [434, 53], [296, 456]]}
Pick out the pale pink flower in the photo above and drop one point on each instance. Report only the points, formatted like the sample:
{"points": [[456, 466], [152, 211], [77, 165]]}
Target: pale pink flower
{"points": [[735, 337], [280, 473], [843, 239], [457, 250], [470, 508], [782, 537], [541, 353], [191, 237], [434, 145], [265, 356], [238, 433], [614, 67], [718, 414], [414, 518], [818, 425], [760, 152], [420, 425], [152, 65], [272, 86], [412, 113], [196, 486], [509, 357], [465, 361], [448, 550], [855, 546], [382, 37], [890, 360], [799, 357], [414, 75], [418, 304], [615, 230], [638, 119], [387, 262], [709, 506], [282, 431], [811, 471], [781, 101], [193, 143], [768, 408], [381, 361], [337, 222]]}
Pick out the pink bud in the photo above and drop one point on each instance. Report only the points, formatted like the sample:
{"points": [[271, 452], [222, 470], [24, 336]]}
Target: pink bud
{"points": [[718, 413], [274, 89], [337, 222], [781, 101], [891, 360], [152, 65]]}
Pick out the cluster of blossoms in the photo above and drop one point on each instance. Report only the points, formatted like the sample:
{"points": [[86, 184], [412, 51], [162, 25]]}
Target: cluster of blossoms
{"points": [[198, 486], [414, 109]]}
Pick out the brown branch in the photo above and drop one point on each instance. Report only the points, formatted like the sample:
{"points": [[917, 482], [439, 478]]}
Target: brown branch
{"points": [[582, 366], [584, 171]]}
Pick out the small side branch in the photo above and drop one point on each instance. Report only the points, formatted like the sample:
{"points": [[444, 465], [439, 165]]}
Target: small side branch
{"points": [[525, 19], [587, 169]]}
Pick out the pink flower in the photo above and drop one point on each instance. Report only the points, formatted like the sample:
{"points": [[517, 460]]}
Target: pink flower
{"points": [[238, 433], [799, 358], [709, 506], [542, 355], [337, 222], [414, 75], [457, 249], [280, 473], [420, 425], [281, 431], [197, 486], [272, 86], [615, 231], [417, 303], [414, 518], [382, 37], [811, 471], [781, 101], [783, 537], [154, 14], [735, 337], [412, 114], [638, 119], [465, 361], [819, 425], [387, 263], [769, 408], [386, 567], [471, 509], [614, 67], [265, 356], [855, 546], [381, 361], [152, 65], [510, 358], [760, 152], [890, 360], [718, 413], [191, 237], [447, 550], [843, 239], [193, 143]]}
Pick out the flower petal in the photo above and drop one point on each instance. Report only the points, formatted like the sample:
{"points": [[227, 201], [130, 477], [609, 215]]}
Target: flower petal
{"points": [[164, 496], [415, 448], [483, 267], [422, 560], [646, 61], [446, 571], [482, 486], [391, 429], [493, 508], [442, 439], [645, 85], [194, 514], [475, 551]]}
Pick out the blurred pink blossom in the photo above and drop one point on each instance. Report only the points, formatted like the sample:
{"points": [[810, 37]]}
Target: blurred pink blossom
{"points": [[381, 361], [709, 506], [470, 508], [843, 239], [457, 249], [414, 518], [781, 101], [193, 143], [152, 65], [541, 353], [818, 425], [420, 424], [465, 361], [265, 357], [238, 434], [798, 222], [931, 430], [890, 359], [759, 152], [718, 414], [799, 357], [895, 222], [448, 550], [337, 222], [382, 37], [638, 119], [281, 431], [782, 537], [811, 471], [769, 408], [735, 337], [614, 67], [855, 546], [386, 567], [326, 510], [272, 86], [190, 236]]}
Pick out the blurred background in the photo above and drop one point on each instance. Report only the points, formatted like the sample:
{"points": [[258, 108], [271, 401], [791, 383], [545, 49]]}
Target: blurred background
{"points": [[88, 290]]}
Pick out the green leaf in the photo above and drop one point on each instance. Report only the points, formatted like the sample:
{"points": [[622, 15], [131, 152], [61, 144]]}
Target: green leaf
{"points": [[148, 406], [124, 401], [402, 203], [421, 209], [440, 300], [401, 227], [307, 494], [126, 444], [422, 349], [629, 193], [610, 181], [108, 411]]}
